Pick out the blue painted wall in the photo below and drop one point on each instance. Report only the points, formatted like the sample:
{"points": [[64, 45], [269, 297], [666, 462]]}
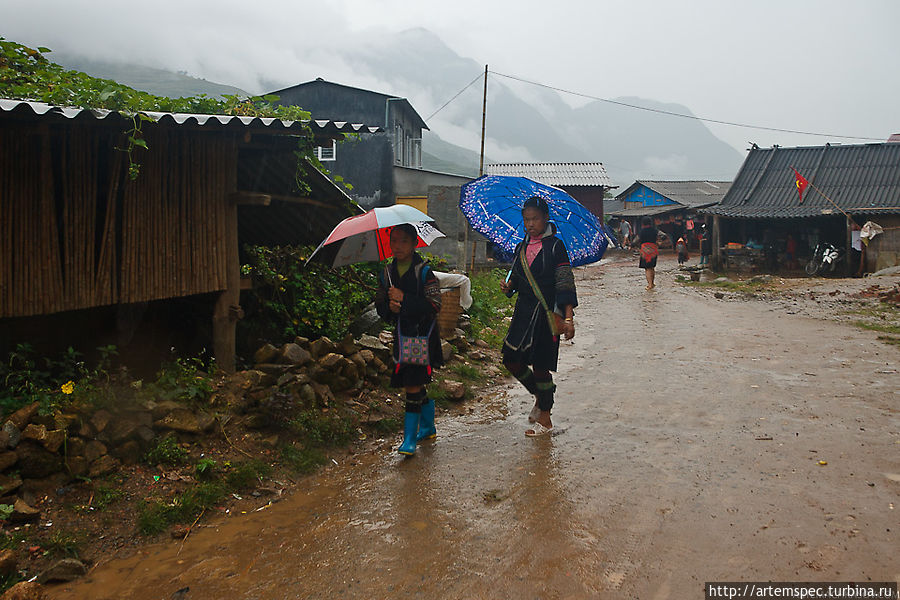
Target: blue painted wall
{"points": [[647, 197]]}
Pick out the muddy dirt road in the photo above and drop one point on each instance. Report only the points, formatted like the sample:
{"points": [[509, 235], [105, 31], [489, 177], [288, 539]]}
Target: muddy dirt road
{"points": [[689, 438]]}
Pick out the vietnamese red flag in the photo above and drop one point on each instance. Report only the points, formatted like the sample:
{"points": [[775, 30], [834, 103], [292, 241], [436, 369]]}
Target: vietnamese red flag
{"points": [[801, 183]]}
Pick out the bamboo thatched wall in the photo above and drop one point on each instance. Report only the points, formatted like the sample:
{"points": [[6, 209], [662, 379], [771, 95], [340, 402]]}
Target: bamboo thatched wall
{"points": [[75, 232]]}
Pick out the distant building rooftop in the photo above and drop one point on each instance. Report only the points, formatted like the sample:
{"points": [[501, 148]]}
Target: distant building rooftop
{"points": [[693, 194], [571, 174]]}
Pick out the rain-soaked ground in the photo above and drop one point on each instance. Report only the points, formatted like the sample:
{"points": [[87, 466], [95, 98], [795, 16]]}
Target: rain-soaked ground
{"points": [[697, 440]]}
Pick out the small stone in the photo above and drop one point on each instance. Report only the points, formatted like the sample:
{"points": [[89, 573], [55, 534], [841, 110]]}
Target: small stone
{"points": [[273, 370], [145, 434], [9, 484], [94, 450], [455, 389], [75, 446], [719, 295], [119, 430], [321, 347], [266, 354], [8, 459], [348, 346], [7, 562], [302, 342], [330, 360], [36, 462], [378, 365], [306, 394], [477, 355], [130, 452], [721, 279], [371, 342], [367, 355], [358, 360], [180, 531], [446, 350], [66, 569], [323, 393], [76, 465], [293, 354], [13, 434], [25, 590], [482, 344], [386, 337], [103, 466], [256, 421], [100, 420], [187, 421], [85, 430], [23, 416], [23, 513]]}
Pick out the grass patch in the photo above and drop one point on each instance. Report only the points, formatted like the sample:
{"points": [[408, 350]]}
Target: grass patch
{"points": [[104, 495], [155, 517], [732, 286], [246, 474], [489, 307], [880, 327], [303, 460], [889, 339], [389, 425], [166, 452], [318, 428], [62, 543], [467, 372]]}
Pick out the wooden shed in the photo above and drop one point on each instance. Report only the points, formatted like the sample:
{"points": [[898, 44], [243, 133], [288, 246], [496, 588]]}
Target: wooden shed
{"points": [[77, 233]]}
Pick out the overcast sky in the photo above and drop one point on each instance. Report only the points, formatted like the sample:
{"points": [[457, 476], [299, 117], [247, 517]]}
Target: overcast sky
{"points": [[816, 65]]}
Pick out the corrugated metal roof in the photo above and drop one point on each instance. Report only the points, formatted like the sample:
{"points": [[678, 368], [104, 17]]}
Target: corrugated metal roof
{"points": [[648, 211], [692, 193], [556, 174], [859, 178], [41, 109]]}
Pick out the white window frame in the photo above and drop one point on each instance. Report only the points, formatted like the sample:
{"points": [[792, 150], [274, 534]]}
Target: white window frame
{"points": [[327, 153]]}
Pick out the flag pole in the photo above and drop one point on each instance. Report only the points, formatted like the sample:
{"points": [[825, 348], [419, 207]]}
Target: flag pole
{"points": [[821, 193]]}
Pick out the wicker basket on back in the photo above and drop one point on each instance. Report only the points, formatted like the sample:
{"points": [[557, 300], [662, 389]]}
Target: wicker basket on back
{"points": [[448, 317]]}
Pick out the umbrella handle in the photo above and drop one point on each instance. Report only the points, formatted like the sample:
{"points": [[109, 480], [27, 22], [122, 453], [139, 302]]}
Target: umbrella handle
{"points": [[508, 275]]}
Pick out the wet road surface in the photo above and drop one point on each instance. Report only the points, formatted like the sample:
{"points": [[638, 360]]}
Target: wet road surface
{"points": [[688, 437]]}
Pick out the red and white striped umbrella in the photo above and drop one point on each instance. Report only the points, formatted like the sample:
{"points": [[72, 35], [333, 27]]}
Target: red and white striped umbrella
{"points": [[366, 237]]}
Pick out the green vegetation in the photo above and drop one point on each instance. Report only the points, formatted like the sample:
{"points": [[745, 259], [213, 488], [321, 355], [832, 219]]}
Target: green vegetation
{"points": [[466, 372], [206, 468], [106, 494], [322, 429], [183, 380], [63, 543], [155, 516], [166, 452], [303, 459], [490, 307], [882, 317], [294, 297]]}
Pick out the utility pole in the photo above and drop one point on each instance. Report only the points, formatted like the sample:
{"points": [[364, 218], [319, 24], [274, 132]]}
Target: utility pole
{"points": [[481, 160]]}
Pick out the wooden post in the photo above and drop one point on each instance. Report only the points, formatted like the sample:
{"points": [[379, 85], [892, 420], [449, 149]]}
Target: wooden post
{"points": [[716, 244], [228, 310], [849, 264]]}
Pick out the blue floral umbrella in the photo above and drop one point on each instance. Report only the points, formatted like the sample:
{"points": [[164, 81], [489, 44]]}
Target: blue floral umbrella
{"points": [[493, 206]]}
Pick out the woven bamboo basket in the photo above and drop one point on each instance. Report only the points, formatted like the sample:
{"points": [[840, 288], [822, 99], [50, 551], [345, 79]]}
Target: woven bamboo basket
{"points": [[448, 317]]}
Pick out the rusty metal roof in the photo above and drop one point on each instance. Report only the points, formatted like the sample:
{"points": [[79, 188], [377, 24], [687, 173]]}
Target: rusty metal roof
{"points": [[859, 178], [583, 174], [217, 122]]}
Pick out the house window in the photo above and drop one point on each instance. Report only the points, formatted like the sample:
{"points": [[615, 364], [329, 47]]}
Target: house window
{"points": [[398, 145], [414, 158], [327, 153]]}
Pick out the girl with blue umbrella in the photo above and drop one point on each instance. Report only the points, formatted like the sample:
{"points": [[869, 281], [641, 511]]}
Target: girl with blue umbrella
{"points": [[542, 276]]}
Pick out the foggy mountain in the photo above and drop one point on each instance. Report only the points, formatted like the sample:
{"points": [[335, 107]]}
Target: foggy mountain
{"points": [[524, 122]]}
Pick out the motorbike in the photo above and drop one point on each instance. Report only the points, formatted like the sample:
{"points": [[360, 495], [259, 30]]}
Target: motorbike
{"points": [[824, 260]]}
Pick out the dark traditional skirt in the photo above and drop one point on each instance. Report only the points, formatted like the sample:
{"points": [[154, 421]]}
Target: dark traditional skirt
{"points": [[410, 376], [530, 341], [649, 255]]}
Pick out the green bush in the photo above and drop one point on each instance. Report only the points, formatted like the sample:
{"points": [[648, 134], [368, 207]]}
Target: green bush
{"points": [[303, 459], [166, 452], [489, 307], [322, 429], [245, 475], [293, 297]]}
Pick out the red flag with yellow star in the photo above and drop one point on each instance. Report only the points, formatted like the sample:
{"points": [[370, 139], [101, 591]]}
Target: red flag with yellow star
{"points": [[801, 183]]}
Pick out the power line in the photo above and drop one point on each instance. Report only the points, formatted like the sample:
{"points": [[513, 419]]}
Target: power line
{"points": [[684, 116], [443, 106]]}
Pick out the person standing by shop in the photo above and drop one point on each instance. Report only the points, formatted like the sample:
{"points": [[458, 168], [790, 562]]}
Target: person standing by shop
{"points": [[649, 250], [625, 232]]}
